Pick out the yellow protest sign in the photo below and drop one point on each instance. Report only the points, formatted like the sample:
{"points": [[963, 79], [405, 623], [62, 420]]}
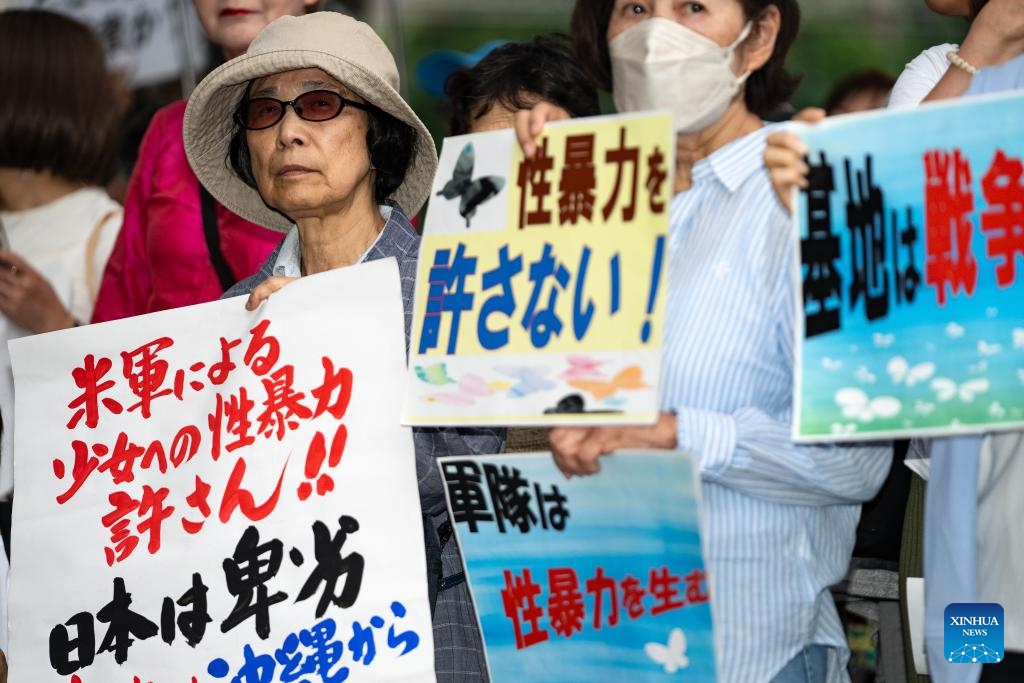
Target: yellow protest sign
{"points": [[540, 289]]}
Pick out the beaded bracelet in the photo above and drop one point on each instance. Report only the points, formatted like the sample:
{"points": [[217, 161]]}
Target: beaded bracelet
{"points": [[954, 58]]}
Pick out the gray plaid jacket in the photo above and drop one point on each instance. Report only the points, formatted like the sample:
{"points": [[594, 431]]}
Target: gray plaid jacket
{"points": [[458, 649]]}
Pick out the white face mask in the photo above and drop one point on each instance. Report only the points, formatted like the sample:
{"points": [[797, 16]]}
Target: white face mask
{"points": [[660, 64]]}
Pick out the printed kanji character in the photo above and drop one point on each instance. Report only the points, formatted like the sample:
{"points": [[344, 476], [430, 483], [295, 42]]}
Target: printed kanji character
{"points": [[231, 416], [447, 293], [865, 219], [819, 252], [408, 640], [246, 573], [565, 601], [582, 314], [192, 622], [315, 457], [326, 653], [282, 405], [519, 598], [125, 626], [197, 500], [553, 511], [466, 493], [533, 182], [235, 496], [908, 278], [331, 565], [544, 322], [510, 496], [335, 392], [146, 373], [657, 174], [362, 644], [503, 303], [83, 466], [949, 201], [150, 510], [620, 156], [663, 588], [263, 350], [89, 378], [597, 586], [696, 592], [219, 371], [1003, 220], [633, 597], [579, 180], [63, 646]]}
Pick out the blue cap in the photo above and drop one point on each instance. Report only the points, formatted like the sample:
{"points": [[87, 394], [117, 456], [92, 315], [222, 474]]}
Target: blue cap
{"points": [[434, 69]]}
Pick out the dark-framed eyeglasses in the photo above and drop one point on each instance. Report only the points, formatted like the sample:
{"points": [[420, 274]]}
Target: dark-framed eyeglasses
{"points": [[316, 105]]}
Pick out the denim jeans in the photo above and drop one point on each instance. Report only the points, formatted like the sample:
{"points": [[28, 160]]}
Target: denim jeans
{"points": [[809, 666]]}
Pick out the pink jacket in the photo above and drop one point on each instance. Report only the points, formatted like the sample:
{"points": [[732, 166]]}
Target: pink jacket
{"points": [[160, 259]]}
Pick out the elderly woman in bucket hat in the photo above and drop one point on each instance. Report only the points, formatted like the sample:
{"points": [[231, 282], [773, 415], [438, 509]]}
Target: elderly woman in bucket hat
{"points": [[306, 133]]}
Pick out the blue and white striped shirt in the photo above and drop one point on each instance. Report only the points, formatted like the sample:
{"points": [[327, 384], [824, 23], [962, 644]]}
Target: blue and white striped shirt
{"points": [[778, 519]]}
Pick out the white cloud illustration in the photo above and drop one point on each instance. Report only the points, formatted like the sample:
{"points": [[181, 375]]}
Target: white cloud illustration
{"points": [[900, 371], [864, 376], [924, 408], [831, 364], [946, 389], [979, 368], [882, 341], [986, 349], [857, 405], [954, 331], [841, 429]]}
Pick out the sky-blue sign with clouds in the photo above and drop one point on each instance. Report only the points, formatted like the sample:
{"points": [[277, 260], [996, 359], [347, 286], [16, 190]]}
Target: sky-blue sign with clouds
{"points": [[908, 269]]}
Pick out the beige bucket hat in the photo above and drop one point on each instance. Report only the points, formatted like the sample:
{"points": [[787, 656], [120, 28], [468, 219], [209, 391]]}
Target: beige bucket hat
{"points": [[348, 50]]}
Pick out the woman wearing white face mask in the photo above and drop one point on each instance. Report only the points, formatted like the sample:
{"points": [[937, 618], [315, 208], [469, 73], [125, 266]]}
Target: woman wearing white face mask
{"points": [[778, 519]]}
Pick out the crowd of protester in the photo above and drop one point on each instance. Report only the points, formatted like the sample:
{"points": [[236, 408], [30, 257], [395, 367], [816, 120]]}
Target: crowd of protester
{"points": [[209, 213]]}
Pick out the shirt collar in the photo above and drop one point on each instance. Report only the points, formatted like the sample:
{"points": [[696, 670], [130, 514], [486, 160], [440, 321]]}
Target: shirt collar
{"points": [[289, 258], [735, 162]]}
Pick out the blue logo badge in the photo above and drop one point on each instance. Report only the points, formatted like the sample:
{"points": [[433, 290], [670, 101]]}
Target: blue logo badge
{"points": [[974, 633]]}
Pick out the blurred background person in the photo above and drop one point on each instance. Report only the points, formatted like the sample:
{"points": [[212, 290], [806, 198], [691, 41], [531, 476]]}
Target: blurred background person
{"points": [[308, 134], [860, 91], [177, 245], [516, 76], [775, 513], [58, 147]]}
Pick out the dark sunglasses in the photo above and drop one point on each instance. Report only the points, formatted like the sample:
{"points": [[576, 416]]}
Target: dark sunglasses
{"points": [[315, 105]]}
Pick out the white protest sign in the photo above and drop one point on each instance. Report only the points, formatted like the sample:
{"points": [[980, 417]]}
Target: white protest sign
{"points": [[211, 494], [144, 38]]}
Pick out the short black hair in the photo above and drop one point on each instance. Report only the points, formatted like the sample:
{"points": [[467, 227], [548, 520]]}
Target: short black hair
{"points": [[517, 76], [389, 141], [766, 88], [871, 80], [59, 111]]}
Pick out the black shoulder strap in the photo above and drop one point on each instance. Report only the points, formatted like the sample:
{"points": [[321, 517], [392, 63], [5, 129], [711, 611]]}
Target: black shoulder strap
{"points": [[220, 265]]}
